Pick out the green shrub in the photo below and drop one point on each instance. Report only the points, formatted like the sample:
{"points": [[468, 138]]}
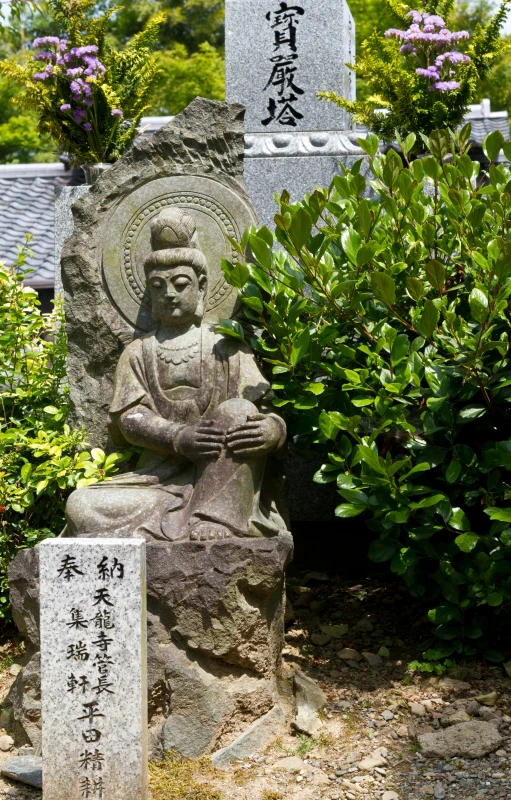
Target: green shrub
{"points": [[386, 324], [41, 458]]}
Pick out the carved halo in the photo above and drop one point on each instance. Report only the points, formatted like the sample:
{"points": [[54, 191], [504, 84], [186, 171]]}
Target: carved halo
{"points": [[219, 211]]}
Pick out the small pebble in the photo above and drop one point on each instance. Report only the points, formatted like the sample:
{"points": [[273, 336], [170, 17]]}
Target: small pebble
{"points": [[6, 742]]}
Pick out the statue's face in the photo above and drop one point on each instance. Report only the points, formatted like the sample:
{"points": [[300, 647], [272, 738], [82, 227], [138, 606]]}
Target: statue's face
{"points": [[175, 293]]}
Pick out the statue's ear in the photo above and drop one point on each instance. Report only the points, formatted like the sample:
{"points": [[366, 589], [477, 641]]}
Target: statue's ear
{"points": [[203, 284]]}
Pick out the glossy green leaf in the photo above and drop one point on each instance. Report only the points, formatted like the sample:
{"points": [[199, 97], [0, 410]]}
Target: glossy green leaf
{"points": [[471, 412], [435, 273], [26, 472], [232, 328], [348, 510], [478, 305], [443, 613], [237, 275], [384, 288], [370, 458], [261, 251], [458, 520], [382, 550], [350, 241], [492, 144], [495, 599], [428, 319], [399, 349], [415, 288], [300, 347], [369, 144], [498, 514], [300, 228], [452, 472], [467, 541], [428, 502]]}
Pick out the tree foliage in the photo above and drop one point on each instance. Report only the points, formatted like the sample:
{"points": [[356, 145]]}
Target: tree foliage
{"points": [[41, 458], [185, 77], [397, 74], [187, 22], [385, 323]]}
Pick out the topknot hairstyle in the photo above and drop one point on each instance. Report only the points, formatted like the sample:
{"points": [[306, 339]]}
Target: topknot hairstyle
{"points": [[174, 242]]}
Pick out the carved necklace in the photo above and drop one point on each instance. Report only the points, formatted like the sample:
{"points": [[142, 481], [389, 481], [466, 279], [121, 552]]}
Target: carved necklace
{"points": [[181, 352]]}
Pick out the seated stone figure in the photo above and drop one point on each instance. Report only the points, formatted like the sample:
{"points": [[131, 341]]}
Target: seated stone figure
{"points": [[198, 405]]}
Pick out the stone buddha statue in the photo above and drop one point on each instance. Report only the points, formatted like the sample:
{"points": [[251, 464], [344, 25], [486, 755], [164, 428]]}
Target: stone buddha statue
{"points": [[199, 407]]}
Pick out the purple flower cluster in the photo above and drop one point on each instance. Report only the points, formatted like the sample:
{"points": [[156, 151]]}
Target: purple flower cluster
{"points": [[81, 66], [425, 39]]}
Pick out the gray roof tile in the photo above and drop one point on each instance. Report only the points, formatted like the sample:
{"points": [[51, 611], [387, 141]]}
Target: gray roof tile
{"points": [[26, 206]]}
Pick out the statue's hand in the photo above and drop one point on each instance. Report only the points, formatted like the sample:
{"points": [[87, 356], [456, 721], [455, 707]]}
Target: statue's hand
{"points": [[200, 441], [256, 437]]}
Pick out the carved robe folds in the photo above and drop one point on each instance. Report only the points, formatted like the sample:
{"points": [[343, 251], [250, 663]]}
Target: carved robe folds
{"points": [[166, 494]]}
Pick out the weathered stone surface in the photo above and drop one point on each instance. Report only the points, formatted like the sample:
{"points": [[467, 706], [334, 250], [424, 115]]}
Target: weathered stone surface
{"points": [[6, 742], [299, 144], [335, 631], [205, 141], [371, 762], [215, 634], [460, 715], [142, 271], [468, 740], [488, 699], [348, 654], [93, 667], [310, 698], [25, 769], [251, 741], [320, 639], [65, 196], [454, 684], [23, 703], [289, 764]]}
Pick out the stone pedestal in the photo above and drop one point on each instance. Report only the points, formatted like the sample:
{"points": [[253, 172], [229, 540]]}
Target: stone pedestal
{"points": [[297, 162], [215, 635]]}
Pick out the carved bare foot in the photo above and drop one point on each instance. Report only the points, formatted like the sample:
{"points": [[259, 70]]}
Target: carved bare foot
{"points": [[209, 531]]}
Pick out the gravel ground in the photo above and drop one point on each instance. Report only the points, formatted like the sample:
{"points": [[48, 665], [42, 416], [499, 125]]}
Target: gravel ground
{"points": [[356, 641]]}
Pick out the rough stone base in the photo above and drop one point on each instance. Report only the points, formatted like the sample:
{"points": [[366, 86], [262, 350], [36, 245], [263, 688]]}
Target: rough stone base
{"points": [[215, 635]]}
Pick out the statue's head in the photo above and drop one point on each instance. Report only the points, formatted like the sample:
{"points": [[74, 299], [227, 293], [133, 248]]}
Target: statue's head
{"points": [[176, 270]]}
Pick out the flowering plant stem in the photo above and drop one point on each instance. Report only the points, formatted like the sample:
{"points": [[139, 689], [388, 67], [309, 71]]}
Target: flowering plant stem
{"points": [[419, 79], [89, 97]]}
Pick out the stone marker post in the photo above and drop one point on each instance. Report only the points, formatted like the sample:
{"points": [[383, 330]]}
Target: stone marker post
{"points": [[93, 669], [279, 55]]}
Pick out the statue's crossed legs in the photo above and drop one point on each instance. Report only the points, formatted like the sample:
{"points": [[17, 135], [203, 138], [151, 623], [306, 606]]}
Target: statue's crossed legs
{"points": [[211, 499]]}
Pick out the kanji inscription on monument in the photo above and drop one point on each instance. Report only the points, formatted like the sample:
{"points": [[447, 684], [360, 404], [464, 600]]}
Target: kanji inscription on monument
{"points": [[93, 669], [280, 53]]}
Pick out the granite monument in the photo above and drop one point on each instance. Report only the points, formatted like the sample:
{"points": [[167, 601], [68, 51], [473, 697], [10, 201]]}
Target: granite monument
{"points": [[293, 141]]}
